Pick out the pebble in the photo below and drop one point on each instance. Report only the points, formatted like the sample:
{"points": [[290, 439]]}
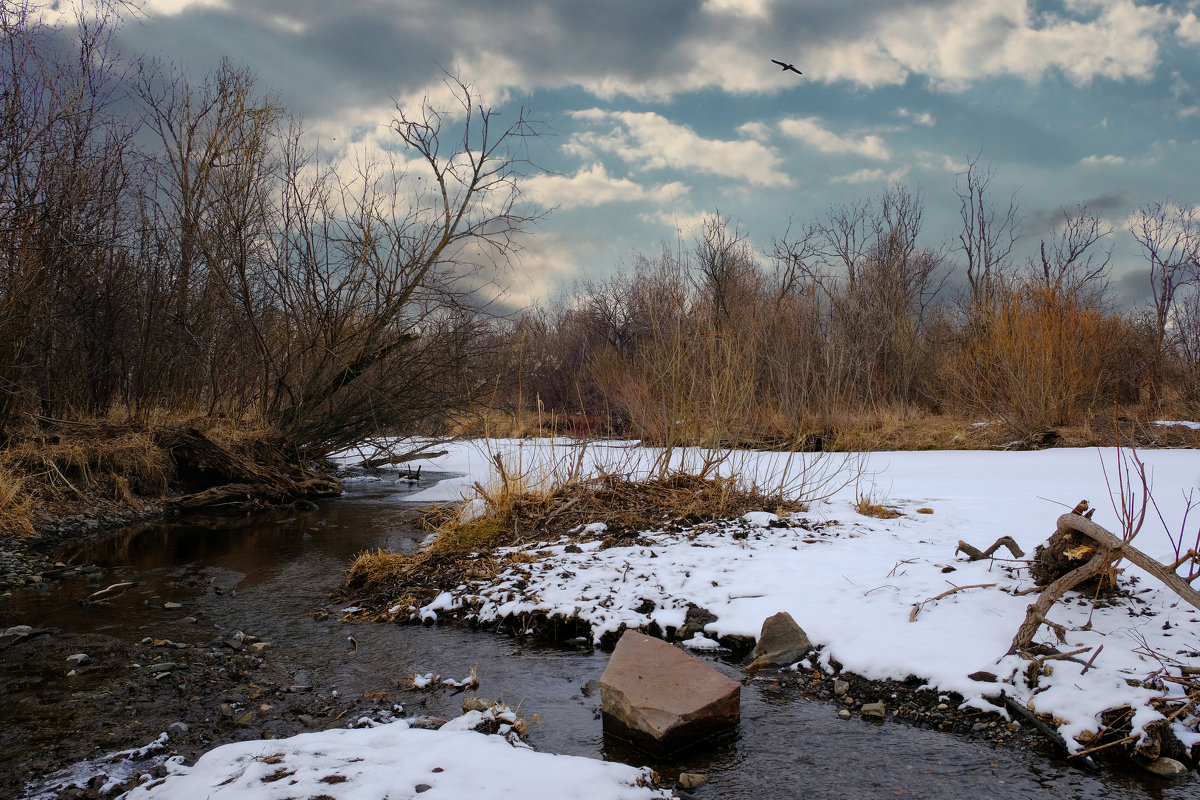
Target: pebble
{"points": [[177, 729], [844, 713], [79, 659], [162, 666], [422, 787], [840, 687], [873, 711], [172, 606], [18, 630], [690, 780], [307, 720]]}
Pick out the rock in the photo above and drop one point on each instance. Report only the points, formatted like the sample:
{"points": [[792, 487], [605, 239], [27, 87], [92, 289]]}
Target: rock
{"points": [[421, 788], [177, 729], [873, 711], [840, 687], [781, 642], [79, 659], [306, 720], [172, 606], [663, 700], [694, 621], [162, 666], [690, 780], [475, 704], [18, 630], [428, 723], [844, 713], [258, 647], [1166, 768]]}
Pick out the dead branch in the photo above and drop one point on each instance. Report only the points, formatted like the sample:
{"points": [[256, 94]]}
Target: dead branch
{"points": [[1121, 549], [975, 554], [1036, 614], [916, 609]]}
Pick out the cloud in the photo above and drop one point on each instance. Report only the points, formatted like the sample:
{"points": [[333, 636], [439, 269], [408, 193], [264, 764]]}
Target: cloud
{"points": [[1095, 160], [647, 140], [873, 176], [593, 186], [1188, 29], [812, 132], [923, 118]]}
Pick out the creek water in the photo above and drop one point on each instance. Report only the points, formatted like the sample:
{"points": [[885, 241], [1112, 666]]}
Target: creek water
{"points": [[269, 576]]}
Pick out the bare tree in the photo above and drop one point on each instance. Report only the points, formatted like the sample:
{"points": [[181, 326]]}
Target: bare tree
{"points": [[988, 235], [1169, 234], [1069, 263]]}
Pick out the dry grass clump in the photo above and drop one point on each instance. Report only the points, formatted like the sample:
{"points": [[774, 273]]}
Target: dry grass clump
{"points": [[16, 506], [118, 463], [515, 511]]}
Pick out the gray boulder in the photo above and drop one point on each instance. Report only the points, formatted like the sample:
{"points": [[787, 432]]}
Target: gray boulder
{"points": [[781, 642], [663, 700]]}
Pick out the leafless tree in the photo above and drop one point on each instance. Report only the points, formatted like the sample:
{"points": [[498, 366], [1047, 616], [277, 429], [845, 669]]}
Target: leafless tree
{"points": [[988, 235], [1069, 263], [1169, 234]]}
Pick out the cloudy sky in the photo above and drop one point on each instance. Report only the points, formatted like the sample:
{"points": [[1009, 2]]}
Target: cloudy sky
{"points": [[658, 111]]}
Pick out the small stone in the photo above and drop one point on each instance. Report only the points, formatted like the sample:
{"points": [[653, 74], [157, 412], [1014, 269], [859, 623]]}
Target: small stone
{"points": [[422, 787], [226, 710], [979, 726], [18, 630], [983, 676], [258, 647], [844, 713], [162, 666], [840, 687], [1166, 768], [873, 711], [177, 729], [79, 659], [245, 719], [781, 642], [428, 723], [172, 606], [307, 720], [943, 707], [690, 780], [475, 704]]}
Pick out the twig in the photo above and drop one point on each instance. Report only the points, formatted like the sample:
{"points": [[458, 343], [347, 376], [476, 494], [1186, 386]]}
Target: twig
{"points": [[1088, 665], [912, 617]]}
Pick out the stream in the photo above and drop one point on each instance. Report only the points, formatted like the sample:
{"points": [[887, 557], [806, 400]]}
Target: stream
{"points": [[227, 629]]}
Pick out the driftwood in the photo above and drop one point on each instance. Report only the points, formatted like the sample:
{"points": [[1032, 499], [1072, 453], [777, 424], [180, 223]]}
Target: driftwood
{"points": [[1110, 550], [975, 554]]}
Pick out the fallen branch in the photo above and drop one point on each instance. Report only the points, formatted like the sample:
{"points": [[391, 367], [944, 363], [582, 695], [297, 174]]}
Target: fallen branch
{"points": [[975, 554], [1122, 549], [916, 609]]}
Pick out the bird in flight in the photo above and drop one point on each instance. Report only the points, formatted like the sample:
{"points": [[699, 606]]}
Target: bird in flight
{"points": [[787, 67]]}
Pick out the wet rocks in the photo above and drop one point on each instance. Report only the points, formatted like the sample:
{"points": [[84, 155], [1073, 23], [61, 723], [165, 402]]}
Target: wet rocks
{"points": [[873, 711], [663, 700], [781, 642], [79, 660], [1165, 767]]}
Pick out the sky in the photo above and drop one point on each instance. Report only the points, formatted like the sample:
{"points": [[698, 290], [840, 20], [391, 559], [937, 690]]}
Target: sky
{"points": [[657, 113]]}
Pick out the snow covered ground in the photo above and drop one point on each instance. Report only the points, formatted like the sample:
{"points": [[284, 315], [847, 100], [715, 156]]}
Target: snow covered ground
{"points": [[394, 760], [863, 588]]}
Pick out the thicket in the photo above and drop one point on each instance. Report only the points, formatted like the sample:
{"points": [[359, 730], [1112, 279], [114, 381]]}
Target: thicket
{"points": [[850, 324], [173, 243]]}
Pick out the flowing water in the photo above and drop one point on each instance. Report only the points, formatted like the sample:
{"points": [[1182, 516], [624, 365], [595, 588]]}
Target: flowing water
{"points": [[268, 576]]}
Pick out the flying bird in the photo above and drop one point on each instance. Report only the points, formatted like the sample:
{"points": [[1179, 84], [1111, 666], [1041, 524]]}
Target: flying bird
{"points": [[786, 67]]}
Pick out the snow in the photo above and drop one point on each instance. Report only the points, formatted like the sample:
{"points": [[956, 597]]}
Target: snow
{"points": [[394, 760], [863, 588]]}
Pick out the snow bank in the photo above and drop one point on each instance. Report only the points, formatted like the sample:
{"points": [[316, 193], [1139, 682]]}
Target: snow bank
{"points": [[863, 588], [393, 760]]}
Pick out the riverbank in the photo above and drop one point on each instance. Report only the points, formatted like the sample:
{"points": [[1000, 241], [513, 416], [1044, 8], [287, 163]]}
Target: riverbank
{"points": [[884, 596]]}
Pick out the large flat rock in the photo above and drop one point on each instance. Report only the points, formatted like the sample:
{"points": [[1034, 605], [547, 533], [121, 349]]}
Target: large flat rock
{"points": [[662, 699]]}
